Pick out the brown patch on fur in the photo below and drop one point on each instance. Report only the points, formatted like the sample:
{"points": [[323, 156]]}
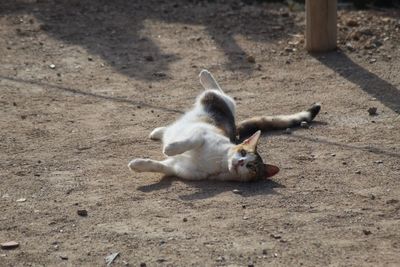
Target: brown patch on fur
{"points": [[268, 123], [248, 148], [220, 114]]}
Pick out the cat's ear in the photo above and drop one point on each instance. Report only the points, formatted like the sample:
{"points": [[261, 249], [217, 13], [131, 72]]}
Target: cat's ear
{"points": [[208, 81], [270, 170], [252, 141]]}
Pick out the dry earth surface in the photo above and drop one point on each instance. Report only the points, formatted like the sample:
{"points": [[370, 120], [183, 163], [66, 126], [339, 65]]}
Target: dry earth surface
{"points": [[84, 82]]}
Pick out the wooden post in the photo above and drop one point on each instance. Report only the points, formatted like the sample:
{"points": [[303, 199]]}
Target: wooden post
{"points": [[321, 19]]}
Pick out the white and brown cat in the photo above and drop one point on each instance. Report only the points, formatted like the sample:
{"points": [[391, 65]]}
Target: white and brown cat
{"points": [[205, 142]]}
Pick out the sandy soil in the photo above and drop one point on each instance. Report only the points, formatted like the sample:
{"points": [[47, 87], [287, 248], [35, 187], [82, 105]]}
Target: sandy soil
{"points": [[122, 68]]}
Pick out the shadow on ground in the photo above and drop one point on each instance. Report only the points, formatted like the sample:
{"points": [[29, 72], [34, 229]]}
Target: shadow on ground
{"points": [[369, 82], [115, 30], [206, 189]]}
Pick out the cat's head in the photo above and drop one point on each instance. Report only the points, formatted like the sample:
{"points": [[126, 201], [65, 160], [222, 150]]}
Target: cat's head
{"points": [[247, 164]]}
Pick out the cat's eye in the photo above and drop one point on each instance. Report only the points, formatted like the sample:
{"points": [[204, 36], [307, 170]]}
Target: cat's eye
{"points": [[250, 166], [243, 152]]}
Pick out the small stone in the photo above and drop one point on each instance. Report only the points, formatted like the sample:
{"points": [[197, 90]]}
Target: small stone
{"points": [[185, 219], [344, 163], [333, 155], [245, 218], [275, 236], [21, 200], [372, 111], [392, 201], [64, 257], [9, 245], [379, 162], [149, 58], [288, 131], [275, 255], [90, 58], [143, 264], [82, 212], [304, 124], [352, 23], [52, 66], [220, 258], [264, 252], [289, 49], [350, 47], [236, 191], [372, 60], [159, 74], [372, 197], [358, 172], [367, 232], [251, 59]]}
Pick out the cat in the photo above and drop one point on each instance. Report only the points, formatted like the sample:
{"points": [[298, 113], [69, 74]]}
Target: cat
{"points": [[205, 142]]}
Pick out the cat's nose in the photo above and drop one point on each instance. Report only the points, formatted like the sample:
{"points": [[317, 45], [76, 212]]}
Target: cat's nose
{"points": [[240, 162]]}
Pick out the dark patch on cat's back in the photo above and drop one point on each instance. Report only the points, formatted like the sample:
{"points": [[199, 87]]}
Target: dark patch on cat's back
{"points": [[220, 113]]}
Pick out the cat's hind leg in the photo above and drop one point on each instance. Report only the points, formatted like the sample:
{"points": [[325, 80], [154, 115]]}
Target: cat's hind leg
{"points": [[157, 133], [149, 165]]}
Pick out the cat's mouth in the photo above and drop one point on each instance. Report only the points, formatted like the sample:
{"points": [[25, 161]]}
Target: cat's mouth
{"points": [[237, 165]]}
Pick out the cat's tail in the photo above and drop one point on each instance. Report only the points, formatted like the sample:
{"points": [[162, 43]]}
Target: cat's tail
{"points": [[266, 123]]}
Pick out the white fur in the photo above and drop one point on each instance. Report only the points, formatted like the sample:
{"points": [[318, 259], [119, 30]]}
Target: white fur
{"points": [[195, 149]]}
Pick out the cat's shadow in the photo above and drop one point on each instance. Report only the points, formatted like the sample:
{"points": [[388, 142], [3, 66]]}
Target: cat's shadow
{"points": [[206, 189]]}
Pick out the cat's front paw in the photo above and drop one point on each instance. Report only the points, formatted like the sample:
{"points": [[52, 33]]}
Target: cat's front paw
{"points": [[138, 165], [171, 149]]}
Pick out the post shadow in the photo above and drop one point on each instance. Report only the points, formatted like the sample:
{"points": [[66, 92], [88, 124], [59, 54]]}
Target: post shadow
{"points": [[385, 92]]}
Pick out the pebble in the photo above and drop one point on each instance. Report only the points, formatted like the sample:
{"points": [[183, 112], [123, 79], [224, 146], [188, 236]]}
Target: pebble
{"points": [[52, 66], [159, 74], [21, 200], [350, 47], [185, 219], [304, 124], [392, 201], [379, 162], [264, 252], [372, 111], [64, 257], [358, 172], [333, 155], [289, 49], [143, 264], [251, 59], [352, 23], [275, 236], [149, 58], [236, 191], [372, 60], [82, 212], [9, 245], [288, 131], [367, 232], [220, 258], [90, 58]]}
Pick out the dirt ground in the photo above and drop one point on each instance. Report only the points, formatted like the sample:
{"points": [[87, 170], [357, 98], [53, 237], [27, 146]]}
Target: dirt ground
{"points": [[84, 82]]}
